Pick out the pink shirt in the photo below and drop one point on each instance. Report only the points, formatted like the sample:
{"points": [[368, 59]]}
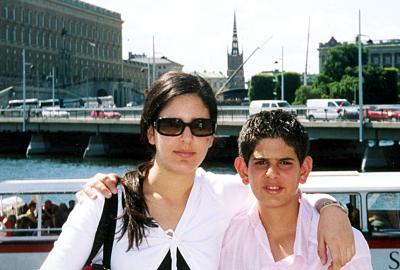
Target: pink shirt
{"points": [[246, 245]]}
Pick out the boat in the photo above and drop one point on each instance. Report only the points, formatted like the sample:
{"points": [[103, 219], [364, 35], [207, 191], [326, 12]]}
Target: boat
{"points": [[373, 200]]}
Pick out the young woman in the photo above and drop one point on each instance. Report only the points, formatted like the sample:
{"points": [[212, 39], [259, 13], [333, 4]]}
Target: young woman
{"points": [[175, 214]]}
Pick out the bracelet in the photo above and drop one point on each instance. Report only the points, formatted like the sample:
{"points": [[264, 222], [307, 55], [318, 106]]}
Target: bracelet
{"points": [[328, 203]]}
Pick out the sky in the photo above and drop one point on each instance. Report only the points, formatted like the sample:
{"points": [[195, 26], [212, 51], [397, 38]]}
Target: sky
{"points": [[198, 34]]}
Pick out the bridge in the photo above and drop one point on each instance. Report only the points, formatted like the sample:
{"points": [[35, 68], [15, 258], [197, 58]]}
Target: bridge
{"points": [[230, 121], [127, 121]]}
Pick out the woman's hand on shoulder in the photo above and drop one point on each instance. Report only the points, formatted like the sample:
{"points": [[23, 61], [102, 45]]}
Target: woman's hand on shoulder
{"points": [[106, 184], [335, 232]]}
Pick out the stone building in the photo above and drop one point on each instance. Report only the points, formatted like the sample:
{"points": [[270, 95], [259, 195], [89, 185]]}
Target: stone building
{"points": [[382, 53], [145, 64], [215, 79], [81, 41]]}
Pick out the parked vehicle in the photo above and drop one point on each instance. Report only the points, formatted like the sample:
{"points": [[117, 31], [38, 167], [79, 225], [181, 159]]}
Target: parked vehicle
{"points": [[394, 113], [269, 105], [99, 113], [54, 112], [330, 109], [376, 113]]}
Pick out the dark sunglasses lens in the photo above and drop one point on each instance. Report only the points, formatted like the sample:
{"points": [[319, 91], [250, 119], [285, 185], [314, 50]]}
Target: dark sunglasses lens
{"points": [[170, 126], [202, 127]]}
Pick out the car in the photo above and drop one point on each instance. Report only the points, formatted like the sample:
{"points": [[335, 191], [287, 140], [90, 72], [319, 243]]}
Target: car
{"points": [[54, 112], [257, 106], [394, 113], [375, 113], [105, 114]]}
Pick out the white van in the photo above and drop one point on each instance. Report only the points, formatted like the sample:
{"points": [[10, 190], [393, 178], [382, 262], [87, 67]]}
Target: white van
{"points": [[330, 109], [257, 106]]}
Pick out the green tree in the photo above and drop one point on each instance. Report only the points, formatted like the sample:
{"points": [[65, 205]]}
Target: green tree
{"points": [[346, 88], [292, 82], [262, 87], [339, 58], [380, 85], [306, 92]]}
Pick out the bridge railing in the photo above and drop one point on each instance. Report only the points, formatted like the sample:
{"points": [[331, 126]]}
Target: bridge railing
{"points": [[228, 113]]}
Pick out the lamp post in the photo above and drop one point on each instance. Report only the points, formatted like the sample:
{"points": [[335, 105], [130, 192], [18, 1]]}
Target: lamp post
{"points": [[87, 84], [360, 80], [52, 84], [24, 89], [282, 77]]}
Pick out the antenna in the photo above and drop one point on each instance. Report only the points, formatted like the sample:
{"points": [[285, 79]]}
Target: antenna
{"points": [[237, 70], [308, 42]]}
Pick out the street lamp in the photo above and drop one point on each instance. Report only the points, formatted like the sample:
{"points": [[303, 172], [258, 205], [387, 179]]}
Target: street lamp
{"points": [[24, 88], [282, 77], [87, 84], [52, 84], [360, 80]]}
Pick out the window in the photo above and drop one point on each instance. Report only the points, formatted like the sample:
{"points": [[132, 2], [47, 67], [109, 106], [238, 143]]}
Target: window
{"points": [[30, 37], [8, 33], [397, 60], [14, 35], [375, 59], [384, 213], [6, 12], [387, 60], [353, 203], [22, 36]]}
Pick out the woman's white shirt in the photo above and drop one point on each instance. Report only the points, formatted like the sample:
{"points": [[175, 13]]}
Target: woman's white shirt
{"points": [[213, 201]]}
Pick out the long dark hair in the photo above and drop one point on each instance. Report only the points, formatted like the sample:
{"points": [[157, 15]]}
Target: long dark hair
{"points": [[168, 86]]}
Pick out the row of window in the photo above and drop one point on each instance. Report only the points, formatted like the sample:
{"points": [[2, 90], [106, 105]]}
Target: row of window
{"points": [[386, 59], [51, 41], [67, 27]]}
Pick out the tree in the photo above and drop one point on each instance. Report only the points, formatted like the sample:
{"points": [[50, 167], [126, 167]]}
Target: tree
{"points": [[262, 87], [346, 88], [306, 92], [339, 58], [380, 85], [292, 82]]}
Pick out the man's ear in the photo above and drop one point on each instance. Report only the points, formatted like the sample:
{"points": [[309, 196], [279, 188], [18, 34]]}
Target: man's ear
{"points": [[242, 170], [305, 169]]}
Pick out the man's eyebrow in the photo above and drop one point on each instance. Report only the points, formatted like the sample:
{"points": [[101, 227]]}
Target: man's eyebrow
{"points": [[266, 158]]}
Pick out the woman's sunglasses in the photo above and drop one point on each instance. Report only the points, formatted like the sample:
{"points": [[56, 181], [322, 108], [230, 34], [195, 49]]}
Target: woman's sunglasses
{"points": [[174, 127]]}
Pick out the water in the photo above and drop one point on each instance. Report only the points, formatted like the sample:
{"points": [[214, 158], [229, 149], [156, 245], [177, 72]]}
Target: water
{"points": [[19, 167]]}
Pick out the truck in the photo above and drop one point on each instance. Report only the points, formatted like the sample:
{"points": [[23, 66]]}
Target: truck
{"points": [[330, 109], [257, 106]]}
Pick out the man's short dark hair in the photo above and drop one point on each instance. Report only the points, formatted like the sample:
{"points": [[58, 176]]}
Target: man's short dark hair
{"points": [[275, 124]]}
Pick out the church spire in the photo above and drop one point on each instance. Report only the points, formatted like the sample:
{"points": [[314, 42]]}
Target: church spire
{"points": [[235, 43]]}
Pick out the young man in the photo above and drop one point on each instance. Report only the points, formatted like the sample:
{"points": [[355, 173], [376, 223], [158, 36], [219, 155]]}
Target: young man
{"points": [[280, 230]]}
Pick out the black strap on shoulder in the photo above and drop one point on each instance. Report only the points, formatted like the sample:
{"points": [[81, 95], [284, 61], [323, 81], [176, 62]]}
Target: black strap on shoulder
{"points": [[105, 232]]}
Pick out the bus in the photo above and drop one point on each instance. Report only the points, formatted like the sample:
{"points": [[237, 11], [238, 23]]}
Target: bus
{"points": [[18, 103], [49, 103]]}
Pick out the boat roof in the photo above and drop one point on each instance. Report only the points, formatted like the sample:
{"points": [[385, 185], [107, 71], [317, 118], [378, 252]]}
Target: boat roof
{"points": [[347, 181], [42, 186], [327, 181]]}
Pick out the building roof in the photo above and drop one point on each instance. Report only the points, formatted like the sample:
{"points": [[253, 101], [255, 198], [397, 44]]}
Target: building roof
{"points": [[210, 74], [93, 8], [143, 59]]}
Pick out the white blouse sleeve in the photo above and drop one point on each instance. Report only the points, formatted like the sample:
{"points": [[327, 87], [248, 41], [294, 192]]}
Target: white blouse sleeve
{"points": [[74, 244]]}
